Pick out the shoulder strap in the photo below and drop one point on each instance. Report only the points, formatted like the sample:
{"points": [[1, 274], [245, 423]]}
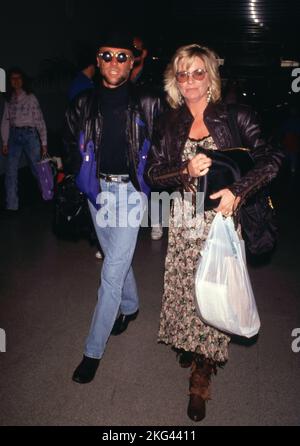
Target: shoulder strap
{"points": [[232, 121]]}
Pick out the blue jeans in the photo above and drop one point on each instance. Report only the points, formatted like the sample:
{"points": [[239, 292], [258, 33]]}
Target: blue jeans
{"points": [[20, 140], [118, 291]]}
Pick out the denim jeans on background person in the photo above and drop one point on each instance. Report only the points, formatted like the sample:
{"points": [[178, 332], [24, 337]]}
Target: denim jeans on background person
{"points": [[20, 140], [118, 290]]}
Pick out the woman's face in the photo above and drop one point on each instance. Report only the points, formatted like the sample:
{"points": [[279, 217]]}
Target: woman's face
{"points": [[16, 81], [193, 90]]}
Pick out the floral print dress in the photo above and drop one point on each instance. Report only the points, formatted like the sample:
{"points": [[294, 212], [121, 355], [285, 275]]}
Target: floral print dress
{"points": [[180, 325]]}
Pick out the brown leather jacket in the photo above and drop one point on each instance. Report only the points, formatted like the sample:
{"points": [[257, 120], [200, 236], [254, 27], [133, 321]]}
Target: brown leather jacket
{"points": [[164, 165]]}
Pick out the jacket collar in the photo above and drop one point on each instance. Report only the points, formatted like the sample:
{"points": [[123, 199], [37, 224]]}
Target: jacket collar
{"points": [[184, 115], [134, 101], [213, 111]]}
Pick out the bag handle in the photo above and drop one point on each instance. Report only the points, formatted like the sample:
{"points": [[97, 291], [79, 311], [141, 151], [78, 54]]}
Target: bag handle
{"points": [[45, 157]]}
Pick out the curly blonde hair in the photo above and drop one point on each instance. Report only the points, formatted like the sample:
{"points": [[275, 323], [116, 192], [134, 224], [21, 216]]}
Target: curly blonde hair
{"points": [[188, 53]]}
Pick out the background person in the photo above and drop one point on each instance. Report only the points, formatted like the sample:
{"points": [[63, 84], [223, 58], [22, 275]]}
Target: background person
{"points": [[138, 73], [290, 136], [23, 130], [84, 79], [142, 76]]}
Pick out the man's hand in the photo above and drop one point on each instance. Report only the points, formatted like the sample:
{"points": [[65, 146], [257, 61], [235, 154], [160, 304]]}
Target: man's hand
{"points": [[5, 150], [228, 202]]}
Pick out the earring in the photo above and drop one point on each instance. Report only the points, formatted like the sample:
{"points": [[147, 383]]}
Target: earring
{"points": [[209, 94]]}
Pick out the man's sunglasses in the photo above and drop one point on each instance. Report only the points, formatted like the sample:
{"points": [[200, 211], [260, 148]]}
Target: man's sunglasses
{"points": [[198, 75], [121, 57]]}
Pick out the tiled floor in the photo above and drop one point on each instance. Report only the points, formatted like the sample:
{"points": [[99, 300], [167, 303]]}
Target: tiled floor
{"points": [[47, 295]]}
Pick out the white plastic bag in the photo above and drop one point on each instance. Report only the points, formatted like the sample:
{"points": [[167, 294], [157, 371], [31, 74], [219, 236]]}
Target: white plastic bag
{"points": [[224, 296]]}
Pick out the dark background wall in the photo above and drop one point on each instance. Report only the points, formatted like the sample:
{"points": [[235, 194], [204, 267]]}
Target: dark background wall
{"points": [[44, 37], [32, 31]]}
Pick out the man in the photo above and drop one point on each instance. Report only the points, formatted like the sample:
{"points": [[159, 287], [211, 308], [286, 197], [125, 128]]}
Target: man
{"points": [[119, 122]]}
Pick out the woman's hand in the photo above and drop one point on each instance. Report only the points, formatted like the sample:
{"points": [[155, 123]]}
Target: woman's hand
{"points": [[199, 165], [5, 150], [228, 203], [44, 150]]}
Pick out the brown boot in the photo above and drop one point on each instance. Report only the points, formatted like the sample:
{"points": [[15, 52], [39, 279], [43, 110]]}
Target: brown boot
{"points": [[185, 358], [200, 388]]}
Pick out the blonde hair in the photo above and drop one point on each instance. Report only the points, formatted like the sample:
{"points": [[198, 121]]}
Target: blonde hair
{"points": [[188, 53]]}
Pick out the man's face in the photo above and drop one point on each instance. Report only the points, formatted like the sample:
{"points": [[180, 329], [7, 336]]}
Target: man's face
{"points": [[114, 72]]}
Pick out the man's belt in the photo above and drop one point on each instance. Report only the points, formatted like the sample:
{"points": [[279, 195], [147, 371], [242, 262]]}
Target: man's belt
{"points": [[110, 178]]}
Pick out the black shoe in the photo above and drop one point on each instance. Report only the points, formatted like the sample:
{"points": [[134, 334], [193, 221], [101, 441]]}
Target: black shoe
{"points": [[86, 370], [122, 323]]}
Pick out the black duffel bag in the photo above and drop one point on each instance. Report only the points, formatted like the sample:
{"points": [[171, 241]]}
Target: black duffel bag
{"points": [[71, 219], [258, 222], [256, 214]]}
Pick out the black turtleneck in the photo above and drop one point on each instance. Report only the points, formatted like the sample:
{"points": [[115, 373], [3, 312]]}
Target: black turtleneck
{"points": [[113, 150]]}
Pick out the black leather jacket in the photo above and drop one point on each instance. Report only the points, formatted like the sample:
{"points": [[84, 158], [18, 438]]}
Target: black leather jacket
{"points": [[83, 115], [164, 165]]}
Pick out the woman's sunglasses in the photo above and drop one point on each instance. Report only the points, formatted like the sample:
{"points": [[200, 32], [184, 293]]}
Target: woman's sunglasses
{"points": [[121, 57], [198, 75]]}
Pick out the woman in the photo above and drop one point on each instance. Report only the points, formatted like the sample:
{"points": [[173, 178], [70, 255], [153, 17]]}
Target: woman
{"points": [[198, 118], [22, 128]]}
